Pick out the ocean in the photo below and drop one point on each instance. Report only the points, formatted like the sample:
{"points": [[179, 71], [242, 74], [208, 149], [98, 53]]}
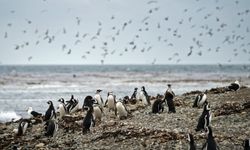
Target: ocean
{"points": [[33, 85]]}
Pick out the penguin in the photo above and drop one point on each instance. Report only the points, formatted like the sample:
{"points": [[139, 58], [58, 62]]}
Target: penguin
{"points": [[134, 95], [51, 128], [234, 86], [33, 114], [74, 104], [157, 106], [98, 111], [88, 120], [200, 99], [169, 98], [144, 96], [98, 98], [121, 110], [192, 145], [50, 113], [205, 118], [22, 127], [126, 99], [110, 102], [88, 102], [210, 143], [61, 108], [246, 144]]}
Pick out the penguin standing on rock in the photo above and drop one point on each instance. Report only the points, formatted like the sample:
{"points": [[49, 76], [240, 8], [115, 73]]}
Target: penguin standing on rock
{"points": [[210, 143], [88, 120], [135, 93], [110, 102], [50, 113], [200, 99], [98, 98], [205, 118], [192, 145], [157, 106], [234, 86], [144, 96], [73, 105], [61, 108], [121, 110], [22, 127], [51, 128], [169, 98]]}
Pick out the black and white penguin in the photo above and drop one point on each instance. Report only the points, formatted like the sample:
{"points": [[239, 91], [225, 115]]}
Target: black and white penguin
{"points": [[98, 98], [50, 113], [97, 109], [246, 144], [88, 102], [88, 120], [169, 98], [121, 110], [51, 127], [74, 105], [111, 101], [192, 145], [210, 143], [205, 118], [234, 86], [157, 106], [22, 127], [144, 97], [135, 93], [126, 99], [200, 99], [33, 113], [61, 108]]}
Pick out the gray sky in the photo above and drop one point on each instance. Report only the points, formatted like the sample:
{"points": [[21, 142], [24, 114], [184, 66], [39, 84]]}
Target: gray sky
{"points": [[124, 31]]}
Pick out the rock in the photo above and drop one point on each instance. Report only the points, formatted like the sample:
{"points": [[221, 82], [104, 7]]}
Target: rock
{"points": [[40, 145]]}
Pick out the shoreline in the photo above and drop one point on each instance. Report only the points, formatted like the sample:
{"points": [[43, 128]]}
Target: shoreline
{"points": [[143, 130]]}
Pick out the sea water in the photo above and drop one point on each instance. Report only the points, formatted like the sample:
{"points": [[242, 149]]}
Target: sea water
{"points": [[33, 85]]}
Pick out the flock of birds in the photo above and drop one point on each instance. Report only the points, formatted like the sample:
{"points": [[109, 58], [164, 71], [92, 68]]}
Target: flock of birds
{"points": [[140, 41], [95, 109]]}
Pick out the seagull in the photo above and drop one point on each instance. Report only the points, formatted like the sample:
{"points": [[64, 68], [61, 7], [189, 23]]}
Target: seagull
{"points": [[33, 113]]}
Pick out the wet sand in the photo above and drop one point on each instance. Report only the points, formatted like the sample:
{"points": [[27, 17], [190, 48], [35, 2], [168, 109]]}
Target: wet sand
{"points": [[143, 130]]}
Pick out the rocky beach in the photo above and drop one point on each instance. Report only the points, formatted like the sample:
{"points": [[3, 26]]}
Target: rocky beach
{"points": [[144, 130]]}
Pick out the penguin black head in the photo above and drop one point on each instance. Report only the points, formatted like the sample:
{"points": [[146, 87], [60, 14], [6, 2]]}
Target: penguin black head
{"points": [[98, 91], [72, 97], [143, 88], [50, 103], [169, 85], [136, 89], [125, 99], [61, 100], [88, 101]]}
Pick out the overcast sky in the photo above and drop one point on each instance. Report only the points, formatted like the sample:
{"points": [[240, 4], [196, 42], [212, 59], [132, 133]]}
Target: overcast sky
{"points": [[124, 31]]}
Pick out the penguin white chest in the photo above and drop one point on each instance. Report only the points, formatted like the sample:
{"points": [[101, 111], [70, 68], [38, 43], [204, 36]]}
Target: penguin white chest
{"points": [[122, 112], [111, 102], [61, 110], [97, 113], [97, 97]]}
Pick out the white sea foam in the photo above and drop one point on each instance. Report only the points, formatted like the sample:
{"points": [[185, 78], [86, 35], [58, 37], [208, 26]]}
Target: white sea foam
{"points": [[9, 116]]}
